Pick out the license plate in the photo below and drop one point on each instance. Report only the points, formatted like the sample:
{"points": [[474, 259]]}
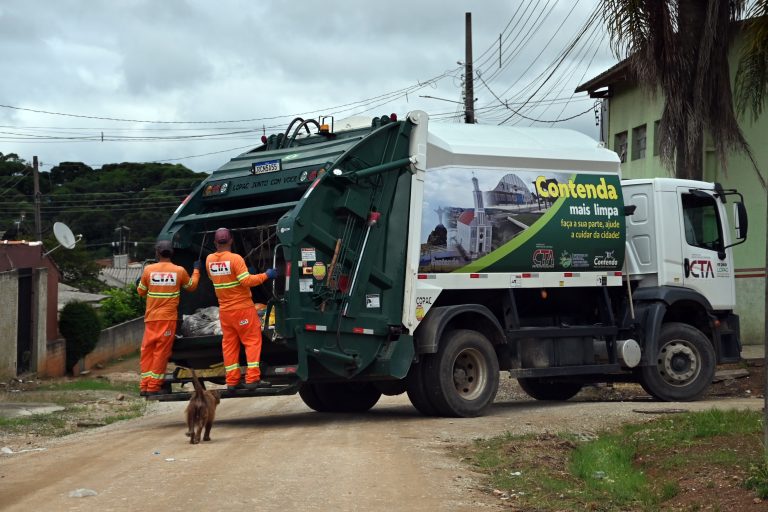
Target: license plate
{"points": [[265, 167]]}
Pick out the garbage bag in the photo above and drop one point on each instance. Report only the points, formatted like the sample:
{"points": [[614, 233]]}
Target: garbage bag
{"points": [[203, 322]]}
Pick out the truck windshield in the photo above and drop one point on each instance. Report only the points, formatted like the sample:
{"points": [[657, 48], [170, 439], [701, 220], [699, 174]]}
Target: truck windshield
{"points": [[702, 222]]}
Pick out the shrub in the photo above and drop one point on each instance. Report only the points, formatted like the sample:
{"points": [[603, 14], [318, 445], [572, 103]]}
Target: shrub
{"points": [[80, 325], [123, 304]]}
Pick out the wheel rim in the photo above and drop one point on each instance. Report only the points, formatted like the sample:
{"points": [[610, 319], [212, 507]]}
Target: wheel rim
{"points": [[470, 374], [678, 363]]}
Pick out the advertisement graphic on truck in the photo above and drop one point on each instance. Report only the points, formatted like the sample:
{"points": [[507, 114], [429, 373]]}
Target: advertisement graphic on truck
{"points": [[521, 219]]}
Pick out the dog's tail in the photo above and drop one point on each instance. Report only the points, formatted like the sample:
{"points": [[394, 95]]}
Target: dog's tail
{"points": [[196, 382]]}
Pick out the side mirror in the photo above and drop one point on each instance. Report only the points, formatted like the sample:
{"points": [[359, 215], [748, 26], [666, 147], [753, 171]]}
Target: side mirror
{"points": [[741, 220]]}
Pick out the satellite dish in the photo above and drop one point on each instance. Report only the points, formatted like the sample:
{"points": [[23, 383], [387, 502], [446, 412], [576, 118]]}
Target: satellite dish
{"points": [[64, 235]]}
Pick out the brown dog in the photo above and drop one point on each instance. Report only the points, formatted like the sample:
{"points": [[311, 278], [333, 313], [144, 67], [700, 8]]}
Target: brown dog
{"points": [[201, 411]]}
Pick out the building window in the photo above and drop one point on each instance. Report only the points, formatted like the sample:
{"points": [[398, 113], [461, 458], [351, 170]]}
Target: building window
{"points": [[620, 145], [638, 142], [656, 138]]}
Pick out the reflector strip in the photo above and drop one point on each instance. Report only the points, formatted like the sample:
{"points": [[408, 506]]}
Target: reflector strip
{"points": [[315, 327], [478, 276], [311, 188], [360, 330], [284, 369], [427, 276], [617, 274]]}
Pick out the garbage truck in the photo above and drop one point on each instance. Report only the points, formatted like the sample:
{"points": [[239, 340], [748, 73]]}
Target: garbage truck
{"points": [[426, 258]]}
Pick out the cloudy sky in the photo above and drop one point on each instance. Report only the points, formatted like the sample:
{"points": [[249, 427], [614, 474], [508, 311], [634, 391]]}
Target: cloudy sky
{"points": [[197, 82]]}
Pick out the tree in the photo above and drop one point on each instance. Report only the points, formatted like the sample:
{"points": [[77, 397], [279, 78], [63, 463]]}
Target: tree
{"points": [[80, 325], [680, 47]]}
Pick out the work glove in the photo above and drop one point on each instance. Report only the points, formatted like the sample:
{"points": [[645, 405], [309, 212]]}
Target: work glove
{"points": [[271, 273], [196, 265]]}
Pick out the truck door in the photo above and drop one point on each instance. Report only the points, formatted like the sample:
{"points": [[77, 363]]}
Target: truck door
{"points": [[707, 267]]}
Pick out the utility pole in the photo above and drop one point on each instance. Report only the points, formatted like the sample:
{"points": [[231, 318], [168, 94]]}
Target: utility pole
{"points": [[469, 87], [36, 181]]}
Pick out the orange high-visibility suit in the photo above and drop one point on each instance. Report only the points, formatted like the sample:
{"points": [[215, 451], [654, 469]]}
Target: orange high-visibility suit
{"points": [[161, 284], [237, 314]]}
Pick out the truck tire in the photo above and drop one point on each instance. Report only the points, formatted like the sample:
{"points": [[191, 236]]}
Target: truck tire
{"points": [[548, 389], [683, 367], [391, 387], [461, 380], [339, 396], [309, 396], [417, 393]]}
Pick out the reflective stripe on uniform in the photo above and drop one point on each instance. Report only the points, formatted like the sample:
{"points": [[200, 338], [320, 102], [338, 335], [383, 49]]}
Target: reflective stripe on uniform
{"points": [[231, 367], [161, 295], [229, 284], [253, 365], [141, 285], [243, 276]]}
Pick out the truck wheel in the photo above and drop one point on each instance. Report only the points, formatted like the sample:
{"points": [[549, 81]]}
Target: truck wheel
{"points": [[343, 396], [417, 393], [683, 367], [390, 387], [309, 396], [461, 380], [548, 389]]}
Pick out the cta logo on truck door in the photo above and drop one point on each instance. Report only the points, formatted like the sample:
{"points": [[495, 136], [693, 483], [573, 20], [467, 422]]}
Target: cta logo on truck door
{"points": [[220, 268], [701, 269]]}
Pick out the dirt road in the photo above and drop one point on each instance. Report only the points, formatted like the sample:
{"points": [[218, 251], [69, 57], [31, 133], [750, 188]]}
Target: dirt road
{"points": [[276, 454]]}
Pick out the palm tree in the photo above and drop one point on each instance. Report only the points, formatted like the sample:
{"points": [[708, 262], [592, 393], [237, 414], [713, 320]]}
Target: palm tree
{"points": [[680, 48]]}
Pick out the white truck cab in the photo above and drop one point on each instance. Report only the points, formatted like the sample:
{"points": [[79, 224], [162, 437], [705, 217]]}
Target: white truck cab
{"points": [[677, 236]]}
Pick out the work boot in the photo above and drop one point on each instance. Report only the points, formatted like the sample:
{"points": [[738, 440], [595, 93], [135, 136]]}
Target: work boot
{"points": [[257, 384], [143, 392], [152, 393], [237, 386]]}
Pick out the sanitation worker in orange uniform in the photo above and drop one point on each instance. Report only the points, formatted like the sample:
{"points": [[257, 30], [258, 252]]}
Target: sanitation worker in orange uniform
{"points": [[161, 283], [232, 283]]}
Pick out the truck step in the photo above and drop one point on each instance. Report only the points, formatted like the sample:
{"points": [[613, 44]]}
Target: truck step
{"points": [[275, 390]]}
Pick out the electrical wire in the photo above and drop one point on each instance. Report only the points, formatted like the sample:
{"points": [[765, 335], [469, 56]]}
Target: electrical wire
{"points": [[338, 108]]}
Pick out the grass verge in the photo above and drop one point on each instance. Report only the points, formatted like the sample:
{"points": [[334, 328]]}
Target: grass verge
{"points": [[688, 461], [86, 403]]}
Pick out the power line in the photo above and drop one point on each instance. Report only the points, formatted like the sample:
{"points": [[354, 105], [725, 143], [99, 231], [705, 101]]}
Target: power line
{"points": [[517, 112], [13, 187], [558, 62], [396, 93]]}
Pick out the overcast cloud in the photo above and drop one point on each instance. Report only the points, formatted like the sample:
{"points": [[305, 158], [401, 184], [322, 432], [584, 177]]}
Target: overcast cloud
{"points": [[197, 60]]}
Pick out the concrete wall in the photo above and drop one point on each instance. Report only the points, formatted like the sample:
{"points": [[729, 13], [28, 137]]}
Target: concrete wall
{"points": [[39, 319], [9, 303], [55, 359], [121, 340]]}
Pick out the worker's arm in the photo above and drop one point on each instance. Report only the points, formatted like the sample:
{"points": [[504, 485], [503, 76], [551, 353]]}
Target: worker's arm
{"points": [[190, 283], [246, 278], [143, 286]]}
